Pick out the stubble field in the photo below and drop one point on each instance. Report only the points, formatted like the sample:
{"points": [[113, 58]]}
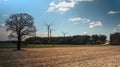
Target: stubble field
{"points": [[91, 56]]}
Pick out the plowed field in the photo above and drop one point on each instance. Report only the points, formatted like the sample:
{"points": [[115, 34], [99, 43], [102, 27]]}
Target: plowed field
{"points": [[93, 56]]}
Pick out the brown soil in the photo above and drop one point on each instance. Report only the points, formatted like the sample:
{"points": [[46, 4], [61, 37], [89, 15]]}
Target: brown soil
{"points": [[100, 56]]}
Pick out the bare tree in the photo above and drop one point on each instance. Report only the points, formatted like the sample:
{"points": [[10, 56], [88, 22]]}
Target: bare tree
{"points": [[20, 25]]}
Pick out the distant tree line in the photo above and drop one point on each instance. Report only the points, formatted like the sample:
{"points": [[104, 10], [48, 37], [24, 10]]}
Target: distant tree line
{"points": [[77, 39], [12, 42], [4, 42]]}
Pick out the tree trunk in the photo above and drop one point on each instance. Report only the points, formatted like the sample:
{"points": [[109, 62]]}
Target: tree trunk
{"points": [[19, 44]]}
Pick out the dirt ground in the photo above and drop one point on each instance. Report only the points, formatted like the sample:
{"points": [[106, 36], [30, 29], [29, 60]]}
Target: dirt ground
{"points": [[99, 56]]}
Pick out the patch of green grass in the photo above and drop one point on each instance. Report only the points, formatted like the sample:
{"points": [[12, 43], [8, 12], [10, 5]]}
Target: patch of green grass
{"points": [[7, 45], [13, 45], [50, 45]]}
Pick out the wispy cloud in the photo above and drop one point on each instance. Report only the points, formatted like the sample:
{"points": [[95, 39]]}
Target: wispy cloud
{"points": [[75, 23], [4, 15], [83, 0], [113, 12], [95, 24], [74, 19], [61, 6], [2, 25], [85, 33], [116, 29], [44, 34], [64, 6], [118, 25], [84, 20], [41, 34], [3, 33]]}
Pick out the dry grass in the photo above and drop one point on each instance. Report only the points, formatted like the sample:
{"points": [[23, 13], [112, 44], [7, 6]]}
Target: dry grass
{"points": [[104, 56]]}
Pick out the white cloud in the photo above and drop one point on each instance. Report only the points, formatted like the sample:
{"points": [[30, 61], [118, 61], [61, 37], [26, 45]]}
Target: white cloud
{"points": [[84, 33], [116, 29], [118, 25], [74, 19], [61, 6], [84, 20], [95, 24], [44, 34], [3, 33], [113, 12], [64, 6], [2, 25], [75, 23], [4, 15], [84, 0], [41, 34], [62, 9]]}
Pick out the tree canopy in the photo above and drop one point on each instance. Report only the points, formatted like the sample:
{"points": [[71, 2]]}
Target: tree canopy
{"points": [[20, 25], [76, 39], [115, 39]]}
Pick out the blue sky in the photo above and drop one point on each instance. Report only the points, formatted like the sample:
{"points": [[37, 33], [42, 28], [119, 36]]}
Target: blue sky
{"points": [[76, 17]]}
